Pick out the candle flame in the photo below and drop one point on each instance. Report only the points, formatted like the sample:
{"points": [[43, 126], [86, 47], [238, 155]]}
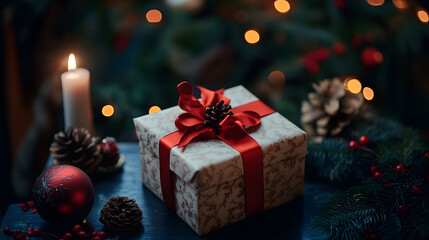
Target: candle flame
{"points": [[72, 62]]}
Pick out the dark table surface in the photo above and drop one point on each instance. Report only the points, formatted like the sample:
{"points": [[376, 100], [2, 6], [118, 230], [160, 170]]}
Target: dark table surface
{"points": [[288, 221]]}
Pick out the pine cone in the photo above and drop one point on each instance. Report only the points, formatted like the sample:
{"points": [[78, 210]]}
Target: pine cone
{"points": [[76, 147], [329, 109], [121, 214], [216, 113]]}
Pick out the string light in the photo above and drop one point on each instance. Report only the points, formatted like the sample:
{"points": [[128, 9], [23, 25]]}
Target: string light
{"points": [[154, 109], [154, 16], [375, 2], [353, 85], [368, 93], [400, 4], [423, 16], [282, 6], [251, 36], [108, 110], [276, 78]]}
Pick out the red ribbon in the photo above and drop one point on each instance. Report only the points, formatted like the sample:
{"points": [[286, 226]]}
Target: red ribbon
{"points": [[231, 130]]}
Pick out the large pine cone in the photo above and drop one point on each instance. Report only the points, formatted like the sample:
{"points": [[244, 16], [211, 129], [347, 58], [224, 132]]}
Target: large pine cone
{"points": [[76, 147], [121, 214], [329, 110]]}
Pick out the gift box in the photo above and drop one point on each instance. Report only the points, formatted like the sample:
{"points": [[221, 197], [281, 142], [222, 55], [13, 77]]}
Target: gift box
{"points": [[210, 182]]}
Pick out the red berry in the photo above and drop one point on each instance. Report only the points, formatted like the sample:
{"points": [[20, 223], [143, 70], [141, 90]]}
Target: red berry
{"points": [[34, 211], [102, 234], [399, 168], [373, 236], [77, 228], [30, 204], [373, 169], [29, 232], [402, 208], [377, 175], [364, 140], [353, 144], [68, 236], [96, 238], [416, 190], [6, 231], [82, 234]]}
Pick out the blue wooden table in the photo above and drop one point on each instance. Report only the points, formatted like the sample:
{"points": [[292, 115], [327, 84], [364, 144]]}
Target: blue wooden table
{"points": [[289, 221]]}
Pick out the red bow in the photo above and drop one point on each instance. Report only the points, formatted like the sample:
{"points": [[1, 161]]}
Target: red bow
{"points": [[192, 123]]}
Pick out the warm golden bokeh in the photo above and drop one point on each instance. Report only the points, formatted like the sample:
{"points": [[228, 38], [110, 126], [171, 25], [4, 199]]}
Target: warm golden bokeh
{"points": [[154, 109], [423, 16], [282, 6], [108, 110], [154, 16], [252, 36], [368, 93], [401, 4], [353, 86], [375, 2]]}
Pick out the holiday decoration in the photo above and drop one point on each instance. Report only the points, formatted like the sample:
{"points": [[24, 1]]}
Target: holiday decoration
{"points": [[63, 193], [121, 214], [112, 161], [209, 157], [77, 147], [329, 110], [371, 57]]}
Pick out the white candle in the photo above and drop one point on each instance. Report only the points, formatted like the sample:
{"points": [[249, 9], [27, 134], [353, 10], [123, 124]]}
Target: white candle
{"points": [[77, 97]]}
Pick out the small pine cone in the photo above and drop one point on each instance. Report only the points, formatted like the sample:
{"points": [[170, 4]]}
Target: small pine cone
{"points": [[76, 147], [215, 113], [329, 110], [121, 214]]}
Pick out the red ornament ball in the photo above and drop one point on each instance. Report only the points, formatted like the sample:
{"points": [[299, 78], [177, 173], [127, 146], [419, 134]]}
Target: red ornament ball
{"points": [[402, 208], [373, 169], [399, 168], [373, 236], [364, 140], [371, 57], [353, 144], [377, 175], [63, 193], [416, 190]]}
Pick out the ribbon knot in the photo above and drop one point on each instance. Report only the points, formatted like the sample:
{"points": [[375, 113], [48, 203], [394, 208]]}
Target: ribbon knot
{"points": [[195, 122]]}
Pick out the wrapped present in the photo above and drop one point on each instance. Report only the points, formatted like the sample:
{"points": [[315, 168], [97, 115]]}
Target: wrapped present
{"points": [[220, 159]]}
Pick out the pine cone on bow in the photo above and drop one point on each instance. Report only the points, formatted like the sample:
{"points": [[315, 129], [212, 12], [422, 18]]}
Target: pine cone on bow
{"points": [[121, 214], [329, 109], [215, 113], [76, 146]]}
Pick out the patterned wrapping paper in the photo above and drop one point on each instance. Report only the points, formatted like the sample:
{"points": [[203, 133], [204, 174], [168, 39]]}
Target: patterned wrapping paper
{"points": [[209, 186]]}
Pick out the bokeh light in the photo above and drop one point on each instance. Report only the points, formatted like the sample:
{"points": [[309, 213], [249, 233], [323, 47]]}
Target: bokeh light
{"points": [[282, 6], [353, 86], [154, 16], [154, 109], [423, 16], [368, 93], [400, 4], [108, 110], [276, 78], [252, 36], [375, 2]]}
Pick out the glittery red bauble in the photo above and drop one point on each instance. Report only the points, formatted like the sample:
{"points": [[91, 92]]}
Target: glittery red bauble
{"points": [[63, 193]]}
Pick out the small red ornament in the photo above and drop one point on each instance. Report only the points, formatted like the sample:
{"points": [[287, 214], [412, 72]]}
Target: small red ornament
{"points": [[373, 169], [399, 168], [63, 193], [377, 175], [371, 57], [109, 151], [36, 231], [416, 190], [338, 49], [402, 208], [364, 140], [353, 144], [6, 231], [373, 236], [320, 55]]}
